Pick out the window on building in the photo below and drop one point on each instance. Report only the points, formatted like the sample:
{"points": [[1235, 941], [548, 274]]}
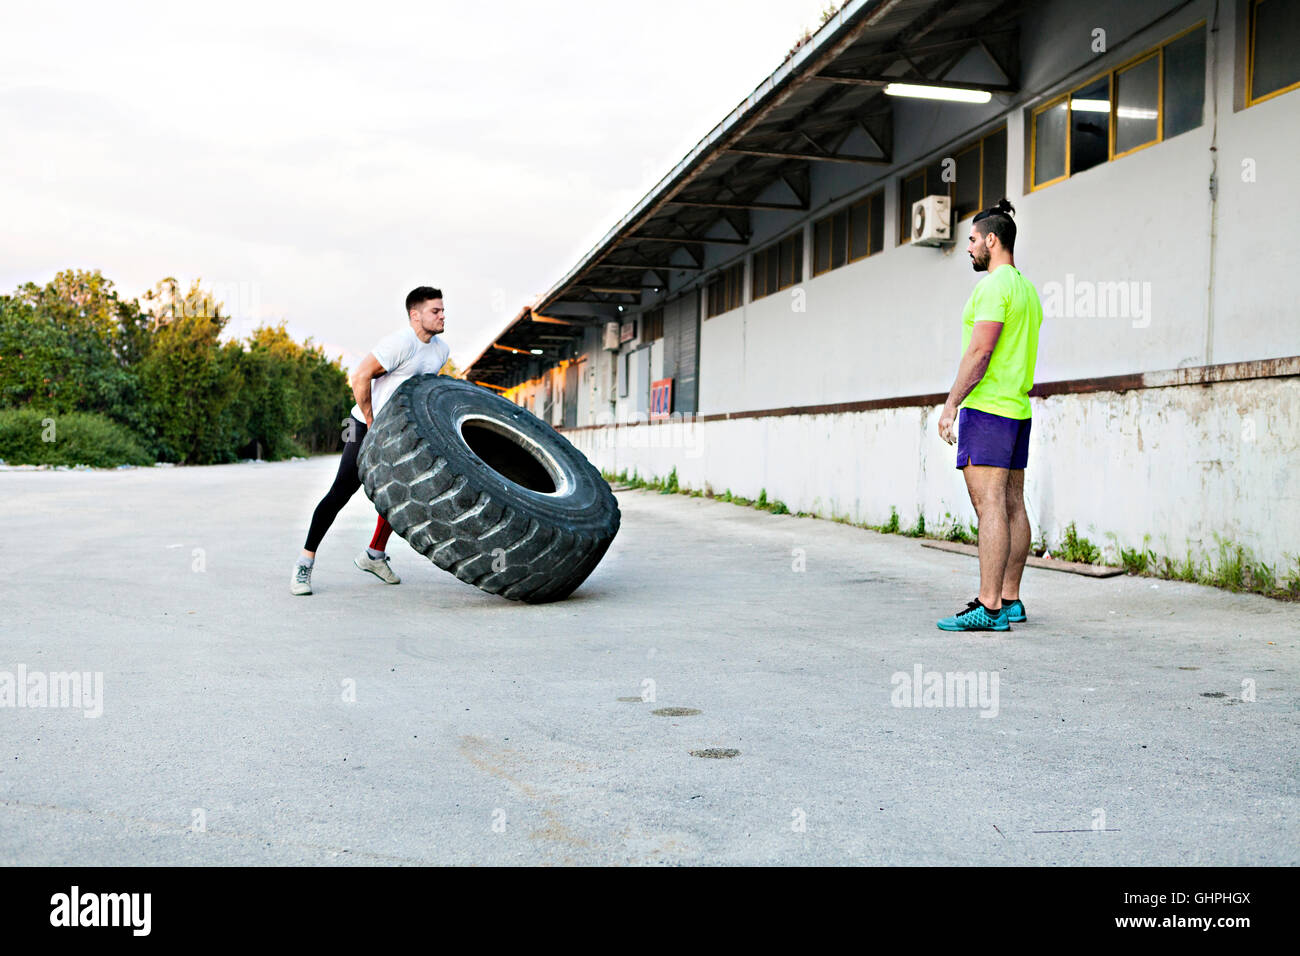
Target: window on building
{"points": [[981, 170], [867, 226], [916, 186], [1090, 125], [849, 234], [966, 190], [831, 242], [1137, 105], [652, 326], [1153, 97], [1050, 134], [1273, 66], [1184, 83], [725, 291], [778, 266]]}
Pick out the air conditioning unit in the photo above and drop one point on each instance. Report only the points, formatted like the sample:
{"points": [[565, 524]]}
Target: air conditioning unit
{"points": [[932, 221], [611, 336]]}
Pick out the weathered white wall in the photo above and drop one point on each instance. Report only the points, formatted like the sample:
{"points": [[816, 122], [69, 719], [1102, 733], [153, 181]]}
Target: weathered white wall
{"points": [[1177, 464]]}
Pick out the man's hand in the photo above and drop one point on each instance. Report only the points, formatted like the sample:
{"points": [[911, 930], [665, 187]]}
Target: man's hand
{"points": [[974, 363], [946, 420], [366, 372]]}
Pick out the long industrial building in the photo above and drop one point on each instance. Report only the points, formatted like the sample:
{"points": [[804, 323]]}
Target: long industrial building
{"points": [[781, 312]]}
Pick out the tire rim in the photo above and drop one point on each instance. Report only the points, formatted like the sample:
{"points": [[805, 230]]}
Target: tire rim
{"points": [[511, 460]]}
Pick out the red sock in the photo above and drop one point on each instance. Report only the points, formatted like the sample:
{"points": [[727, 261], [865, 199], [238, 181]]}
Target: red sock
{"points": [[382, 530]]}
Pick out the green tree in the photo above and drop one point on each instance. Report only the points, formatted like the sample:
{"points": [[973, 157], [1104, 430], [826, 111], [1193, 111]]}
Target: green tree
{"points": [[190, 379], [163, 374], [71, 344], [294, 396]]}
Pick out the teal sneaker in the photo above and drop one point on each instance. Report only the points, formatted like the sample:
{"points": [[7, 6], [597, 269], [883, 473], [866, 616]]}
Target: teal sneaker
{"points": [[976, 617], [1015, 611]]}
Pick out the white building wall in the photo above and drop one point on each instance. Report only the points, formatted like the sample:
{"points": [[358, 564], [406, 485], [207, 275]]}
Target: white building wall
{"points": [[1177, 466]]}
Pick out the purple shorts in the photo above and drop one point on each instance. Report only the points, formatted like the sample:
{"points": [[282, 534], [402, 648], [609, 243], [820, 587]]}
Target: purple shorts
{"points": [[984, 439]]}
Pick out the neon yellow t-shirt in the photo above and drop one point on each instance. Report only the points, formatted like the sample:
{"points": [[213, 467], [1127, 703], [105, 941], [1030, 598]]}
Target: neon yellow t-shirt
{"points": [[1005, 296]]}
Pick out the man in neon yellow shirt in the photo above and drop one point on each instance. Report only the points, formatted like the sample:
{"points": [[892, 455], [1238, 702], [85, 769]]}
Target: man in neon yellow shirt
{"points": [[999, 350]]}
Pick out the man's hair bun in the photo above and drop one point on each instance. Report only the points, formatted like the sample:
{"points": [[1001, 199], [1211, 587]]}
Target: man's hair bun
{"points": [[997, 220]]}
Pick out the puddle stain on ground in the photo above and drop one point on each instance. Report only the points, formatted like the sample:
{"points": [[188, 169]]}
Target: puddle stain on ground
{"points": [[555, 831], [493, 760]]}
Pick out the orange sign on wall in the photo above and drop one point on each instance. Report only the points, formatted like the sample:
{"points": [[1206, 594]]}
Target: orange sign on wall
{"points": [[661, 398]]}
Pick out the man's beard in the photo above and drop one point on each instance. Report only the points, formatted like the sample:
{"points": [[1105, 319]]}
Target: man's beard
{"points": [[980, 265]]}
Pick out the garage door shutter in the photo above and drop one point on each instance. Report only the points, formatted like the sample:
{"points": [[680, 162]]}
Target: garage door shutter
{"points": [[682, 349]]}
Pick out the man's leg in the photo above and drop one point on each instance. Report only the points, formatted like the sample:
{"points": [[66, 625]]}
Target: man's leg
{"points": [[1018, 523], [346, 483], [988, 493], [373, 559], [379, 542]]}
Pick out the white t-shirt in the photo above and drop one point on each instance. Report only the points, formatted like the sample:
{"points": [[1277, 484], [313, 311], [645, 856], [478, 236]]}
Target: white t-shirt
{"points": [[402, 354]]}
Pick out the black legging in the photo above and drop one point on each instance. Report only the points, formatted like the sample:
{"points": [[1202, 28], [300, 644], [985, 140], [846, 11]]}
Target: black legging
{"points": [[346, 483]]}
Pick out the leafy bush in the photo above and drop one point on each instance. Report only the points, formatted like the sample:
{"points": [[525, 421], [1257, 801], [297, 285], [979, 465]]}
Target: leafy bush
{"points": [[1292, 582], [1038, 547], [30, 437], [1075, 548], [1137, 560], [891, 526], [954, 530], [164, 372]]}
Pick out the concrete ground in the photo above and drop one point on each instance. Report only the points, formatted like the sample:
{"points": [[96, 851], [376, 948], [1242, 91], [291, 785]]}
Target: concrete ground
{"points": [[432, 723]]}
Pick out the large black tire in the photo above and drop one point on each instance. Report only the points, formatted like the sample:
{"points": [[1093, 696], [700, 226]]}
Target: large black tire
{"points": [[486, 490]]}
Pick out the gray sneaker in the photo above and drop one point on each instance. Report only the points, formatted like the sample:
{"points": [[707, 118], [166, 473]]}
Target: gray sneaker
{"points": [[378, 567], [301, 582]]}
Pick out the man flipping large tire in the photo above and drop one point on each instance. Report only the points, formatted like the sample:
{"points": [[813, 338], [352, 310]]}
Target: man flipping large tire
{"points": [[414, 349], [486, 490]]}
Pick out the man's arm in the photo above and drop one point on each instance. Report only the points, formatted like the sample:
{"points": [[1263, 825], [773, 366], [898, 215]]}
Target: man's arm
{"points": [[974, 363], [366, 372]]}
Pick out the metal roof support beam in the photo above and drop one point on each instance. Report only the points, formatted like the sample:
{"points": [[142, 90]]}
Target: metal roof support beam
{"points": [[548, 320], [815, 157], [670, 267], [585, 321], [921, 25], [963, 41], [799, 181], [942, 84], [836, 121], [592, 301], [685, 240], [737, 204]]}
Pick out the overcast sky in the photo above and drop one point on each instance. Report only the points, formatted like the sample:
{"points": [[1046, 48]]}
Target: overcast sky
{"points": [[314, 162]]}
